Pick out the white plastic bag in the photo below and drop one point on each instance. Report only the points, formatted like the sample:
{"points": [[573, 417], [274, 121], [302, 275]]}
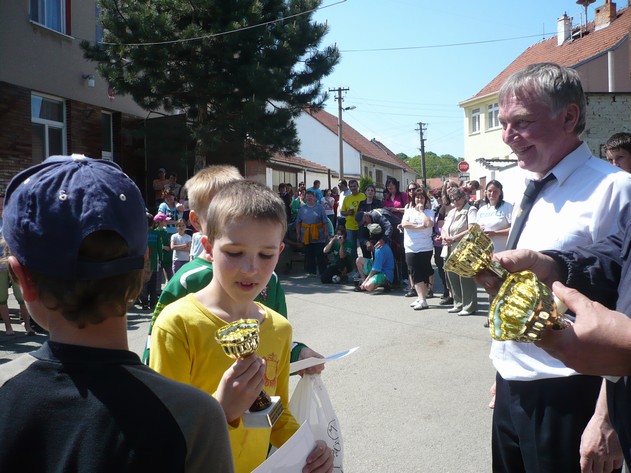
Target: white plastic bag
{"points": [[310, 402]]}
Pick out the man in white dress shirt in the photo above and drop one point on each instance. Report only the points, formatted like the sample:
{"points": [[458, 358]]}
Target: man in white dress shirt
{"points": [[544, 417]]}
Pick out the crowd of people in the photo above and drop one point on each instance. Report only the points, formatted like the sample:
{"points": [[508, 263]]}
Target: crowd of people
{"points": [[396, 240]]}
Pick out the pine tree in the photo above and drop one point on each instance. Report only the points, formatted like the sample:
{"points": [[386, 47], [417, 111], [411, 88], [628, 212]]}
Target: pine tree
{"points": [[241, 70]]}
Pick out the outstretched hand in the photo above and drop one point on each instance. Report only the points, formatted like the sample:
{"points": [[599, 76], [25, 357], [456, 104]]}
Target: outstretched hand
{"points": [[599, 342], [307, 352], [514, 261]]}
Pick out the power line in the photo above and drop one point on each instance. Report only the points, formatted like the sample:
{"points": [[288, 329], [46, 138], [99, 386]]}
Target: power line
{"points": [[448, 45], [223, 33]]}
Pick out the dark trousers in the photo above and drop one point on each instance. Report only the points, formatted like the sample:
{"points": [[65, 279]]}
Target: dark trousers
{"points": [[149, 295], [440, 262], [537, 425], [315, 259]]}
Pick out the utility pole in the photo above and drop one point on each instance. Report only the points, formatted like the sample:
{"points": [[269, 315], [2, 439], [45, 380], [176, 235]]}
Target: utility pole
{"points": [[339, 99], [421, 128]]}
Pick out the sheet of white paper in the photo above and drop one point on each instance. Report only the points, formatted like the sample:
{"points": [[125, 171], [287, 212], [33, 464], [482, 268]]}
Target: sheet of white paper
{"points": [[309, 362], [292, 456]]}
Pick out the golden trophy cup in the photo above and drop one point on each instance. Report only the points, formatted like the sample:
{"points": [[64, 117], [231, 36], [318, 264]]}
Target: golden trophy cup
{"points": [[473, 255], [240, 339], [523, 307]]}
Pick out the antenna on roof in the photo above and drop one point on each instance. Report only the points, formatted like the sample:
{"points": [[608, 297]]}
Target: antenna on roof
{"points": [[585, 3]]}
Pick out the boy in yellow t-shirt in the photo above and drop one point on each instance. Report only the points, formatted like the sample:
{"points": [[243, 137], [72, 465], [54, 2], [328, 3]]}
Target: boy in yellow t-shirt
{"points": [[349, 210], [244, 237]]}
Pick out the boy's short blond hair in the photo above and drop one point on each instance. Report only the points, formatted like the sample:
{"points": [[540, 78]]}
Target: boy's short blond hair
{"points": [[204, 185], [244, 199]]}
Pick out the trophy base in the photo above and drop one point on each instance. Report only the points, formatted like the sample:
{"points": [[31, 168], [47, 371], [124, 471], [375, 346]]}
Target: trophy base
{"points": [[266, 418]]}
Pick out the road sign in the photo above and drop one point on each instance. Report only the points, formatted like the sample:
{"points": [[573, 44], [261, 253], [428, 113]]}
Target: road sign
{"points": [[463, 166], [463, 176]]}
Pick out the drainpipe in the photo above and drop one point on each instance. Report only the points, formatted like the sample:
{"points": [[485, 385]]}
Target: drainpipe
{"points": [[611, 71]]}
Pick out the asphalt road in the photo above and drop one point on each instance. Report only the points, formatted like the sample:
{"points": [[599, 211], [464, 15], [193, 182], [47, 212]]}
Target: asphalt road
{"points": [[413, 398]]}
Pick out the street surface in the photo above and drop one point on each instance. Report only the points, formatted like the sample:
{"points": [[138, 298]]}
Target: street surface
{"points": [[413, 398]]}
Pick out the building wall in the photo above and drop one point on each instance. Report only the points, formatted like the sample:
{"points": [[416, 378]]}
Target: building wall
{"points": [[486, 143], [594, 74], [15, 138], [606, 114], [321, 145], [47, 61]]}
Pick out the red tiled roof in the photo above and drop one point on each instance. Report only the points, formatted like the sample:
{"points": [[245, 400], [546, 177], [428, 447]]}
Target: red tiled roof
{"points": [[569, 54], [298, 161], [369, 148]]}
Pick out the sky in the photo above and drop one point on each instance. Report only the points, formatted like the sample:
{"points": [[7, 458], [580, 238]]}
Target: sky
{"points": [[408, 61]]}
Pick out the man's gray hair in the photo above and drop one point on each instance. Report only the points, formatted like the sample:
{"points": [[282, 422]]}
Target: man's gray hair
{"points": [[556, 86]]}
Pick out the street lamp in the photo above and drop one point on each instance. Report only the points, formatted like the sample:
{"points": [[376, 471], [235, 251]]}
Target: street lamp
{"points": [[339, 134]]}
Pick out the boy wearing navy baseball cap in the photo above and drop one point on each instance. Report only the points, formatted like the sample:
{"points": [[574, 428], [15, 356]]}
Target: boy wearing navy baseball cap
{"points": [[76, 232]]}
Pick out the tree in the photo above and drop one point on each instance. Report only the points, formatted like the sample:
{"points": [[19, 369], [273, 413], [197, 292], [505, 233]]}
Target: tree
{"points": [[241, 70], [435, 166]]}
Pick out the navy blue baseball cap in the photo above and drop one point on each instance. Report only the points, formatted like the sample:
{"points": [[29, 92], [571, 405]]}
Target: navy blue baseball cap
{"points": [[51, 207]]}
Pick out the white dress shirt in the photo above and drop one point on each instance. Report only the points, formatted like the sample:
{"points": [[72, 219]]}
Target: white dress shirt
{"points": [[583, 205]]}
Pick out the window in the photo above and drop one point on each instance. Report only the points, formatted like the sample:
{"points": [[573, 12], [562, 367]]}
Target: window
{"points": [[475, 121], [379, 178], [107, 147], [51, 14], [48, 127], [493, 112]]}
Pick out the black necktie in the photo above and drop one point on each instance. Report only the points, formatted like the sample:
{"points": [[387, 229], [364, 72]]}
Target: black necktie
{"points": [[530, 195]]}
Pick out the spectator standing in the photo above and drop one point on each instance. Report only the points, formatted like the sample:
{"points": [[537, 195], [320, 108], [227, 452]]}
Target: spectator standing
{"points": [[316, 191], [162, 221], [618, 149], [370, 203], [5, 281], [417, 223], [158, 186], [299, 201], [174, 186], [495, 215], [181, 246], [286, 198], [342, 185], [170, 208], [312, 230], [349, 209], [149, 295], [328, 202], [457, 223], [393, 199], [440, 212]]}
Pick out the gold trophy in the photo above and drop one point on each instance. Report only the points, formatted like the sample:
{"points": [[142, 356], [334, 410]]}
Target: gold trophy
{"points": [[239, 340], [523, 307]]}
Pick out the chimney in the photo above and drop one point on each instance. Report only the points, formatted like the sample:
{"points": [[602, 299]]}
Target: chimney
{"points": [[604, 15], [564, 29]]}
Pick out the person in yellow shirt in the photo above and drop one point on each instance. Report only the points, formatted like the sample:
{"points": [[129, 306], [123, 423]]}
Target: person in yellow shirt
{"points": [[349, 209], [243, 238]]}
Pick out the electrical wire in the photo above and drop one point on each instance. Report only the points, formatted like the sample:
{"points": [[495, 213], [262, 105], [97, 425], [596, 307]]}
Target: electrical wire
{"points": [[223, 33], [447, 45]]}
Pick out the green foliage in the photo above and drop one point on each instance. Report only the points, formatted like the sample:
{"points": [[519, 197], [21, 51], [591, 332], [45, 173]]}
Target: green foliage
{"points": [[239, 84], [435, 166], [364, 181]]}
